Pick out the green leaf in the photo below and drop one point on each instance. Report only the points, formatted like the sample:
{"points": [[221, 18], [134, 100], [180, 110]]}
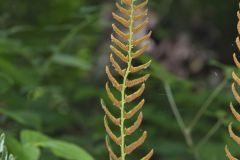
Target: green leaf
{"points": [[32, 137], [31, 152], [27, 118], [22, 152], [5, 82], [66, 150], [59, 148], [21, 75], [71, 61]]}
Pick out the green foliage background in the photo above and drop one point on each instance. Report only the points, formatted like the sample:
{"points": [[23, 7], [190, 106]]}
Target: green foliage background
{"points": [[52, 60]]}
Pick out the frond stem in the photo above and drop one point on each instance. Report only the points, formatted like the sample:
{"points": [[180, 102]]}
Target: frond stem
{"points": [[175, 110], [211, 132], [185, 131], [207, 103], [130, 41]]}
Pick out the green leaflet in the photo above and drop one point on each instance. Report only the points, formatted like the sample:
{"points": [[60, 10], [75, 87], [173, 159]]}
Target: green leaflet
{"points": [[59, 148]]}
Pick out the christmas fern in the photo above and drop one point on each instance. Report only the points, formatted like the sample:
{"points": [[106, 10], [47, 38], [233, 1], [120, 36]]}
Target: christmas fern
{"points": [[236, 79], [132, 16]]}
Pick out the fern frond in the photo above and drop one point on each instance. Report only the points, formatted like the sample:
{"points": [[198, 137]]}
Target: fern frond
{"points": [[236, 81], [126, 48]]}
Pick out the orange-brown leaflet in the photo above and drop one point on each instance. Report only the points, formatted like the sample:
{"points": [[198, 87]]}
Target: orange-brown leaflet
{"points": [[135, 126], [119, 54], [112, 97], [138, 93], [148, 156], [116, 66], [134, 82], [130, 148], [116, 139], [115, 120], [135, 109]]}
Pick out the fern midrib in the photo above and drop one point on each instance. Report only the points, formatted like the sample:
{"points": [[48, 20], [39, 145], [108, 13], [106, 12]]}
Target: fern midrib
{"points": [[123, 154]]}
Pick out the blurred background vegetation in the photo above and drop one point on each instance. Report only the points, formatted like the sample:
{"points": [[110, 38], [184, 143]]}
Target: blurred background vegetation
{"points": [[52, 61]]}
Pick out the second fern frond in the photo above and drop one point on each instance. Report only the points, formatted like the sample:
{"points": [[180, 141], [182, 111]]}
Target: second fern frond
{"points": [[236, 96]]}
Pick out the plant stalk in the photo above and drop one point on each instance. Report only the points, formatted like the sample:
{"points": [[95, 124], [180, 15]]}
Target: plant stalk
{"points": [[207, 103], [130, 40], [185, 131]]}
